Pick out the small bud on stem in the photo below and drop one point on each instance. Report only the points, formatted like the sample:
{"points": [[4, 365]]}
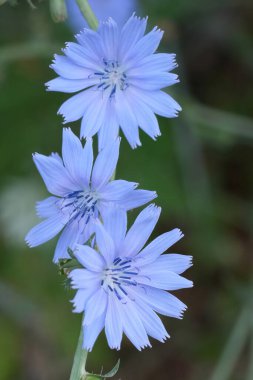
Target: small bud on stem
{"points": [[58, 10]]}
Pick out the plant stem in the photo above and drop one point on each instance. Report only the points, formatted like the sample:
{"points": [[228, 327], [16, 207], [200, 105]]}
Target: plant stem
{"points": [[88, 13], [78, 371], [233, 348]]}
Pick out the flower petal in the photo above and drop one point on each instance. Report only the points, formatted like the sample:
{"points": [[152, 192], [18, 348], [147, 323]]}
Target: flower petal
{"points": [[70, 85], [81, 56], [92, 121], [65, 68], [144, 115], [152, 251], [72, 154], [91, 41], [54, 174], [83, 278], [108, 30], [145, 46], [154, 64], [68, 239], [160, 102], [115, 222], [109, 130], [137, 198], [89, 258], [87, 161], [162, 279], [47, 207], [45, 230], [117, 189], [140, 231], [151, 322], [95, 306], [74, 108], [153, 83], [133, 326], [162, 302], [127, 119], [173, 262], [81, 298], [105, 243], [131, 33], [105, 165], [91, 332], [113, 323]]}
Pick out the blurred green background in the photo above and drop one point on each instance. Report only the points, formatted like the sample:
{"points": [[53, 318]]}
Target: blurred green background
{"points": [[201, 167]]}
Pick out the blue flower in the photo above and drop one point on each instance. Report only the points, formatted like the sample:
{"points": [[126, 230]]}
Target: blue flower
{"points": [[117, 73], [124, 285], [81, 194]]}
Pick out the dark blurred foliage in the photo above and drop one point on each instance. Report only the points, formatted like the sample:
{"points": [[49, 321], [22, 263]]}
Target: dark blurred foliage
{"points": [[201, 168]]}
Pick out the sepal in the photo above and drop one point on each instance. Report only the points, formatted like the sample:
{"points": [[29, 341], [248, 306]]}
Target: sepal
{"points": [[91, 376]]}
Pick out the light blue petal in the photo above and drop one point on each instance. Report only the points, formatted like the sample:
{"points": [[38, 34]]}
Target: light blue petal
{"points": [[57, 157], [67, 69], [89, 258], [68, 239], [105, 243], [87, 161], [162, 279], [70, 85], [105, 165], [81, 298], [47, 207], [55, 176], [81, 56], [151, 322], [127, 119], [45, 230], [155, 64], [144, 115], [110, 128], [133, 326], [131, 33], [75, 107], [92, 121], [83, 278], [91, 332], [87, 230], [140, 231], [173, 262], [154, 82], [163, 242], [162, 302], [117, 189], [91, 42], [113, 323], [137, 198], [115, 222], [95, 306], [160, 102], [145, 46], [108, 30], [72, 154]]}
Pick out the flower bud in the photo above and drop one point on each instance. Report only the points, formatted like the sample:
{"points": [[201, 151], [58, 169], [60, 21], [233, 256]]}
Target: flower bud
{"points": [[58, 10]]}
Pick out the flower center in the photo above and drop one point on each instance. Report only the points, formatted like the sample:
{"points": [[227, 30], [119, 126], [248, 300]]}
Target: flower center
{"points": [[112, 78], [119, 276], [80, 205]]}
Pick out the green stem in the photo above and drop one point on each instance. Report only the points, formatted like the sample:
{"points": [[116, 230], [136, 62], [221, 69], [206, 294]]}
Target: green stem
{"points": [[233, 348], [88, 13], [78, 371]]}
